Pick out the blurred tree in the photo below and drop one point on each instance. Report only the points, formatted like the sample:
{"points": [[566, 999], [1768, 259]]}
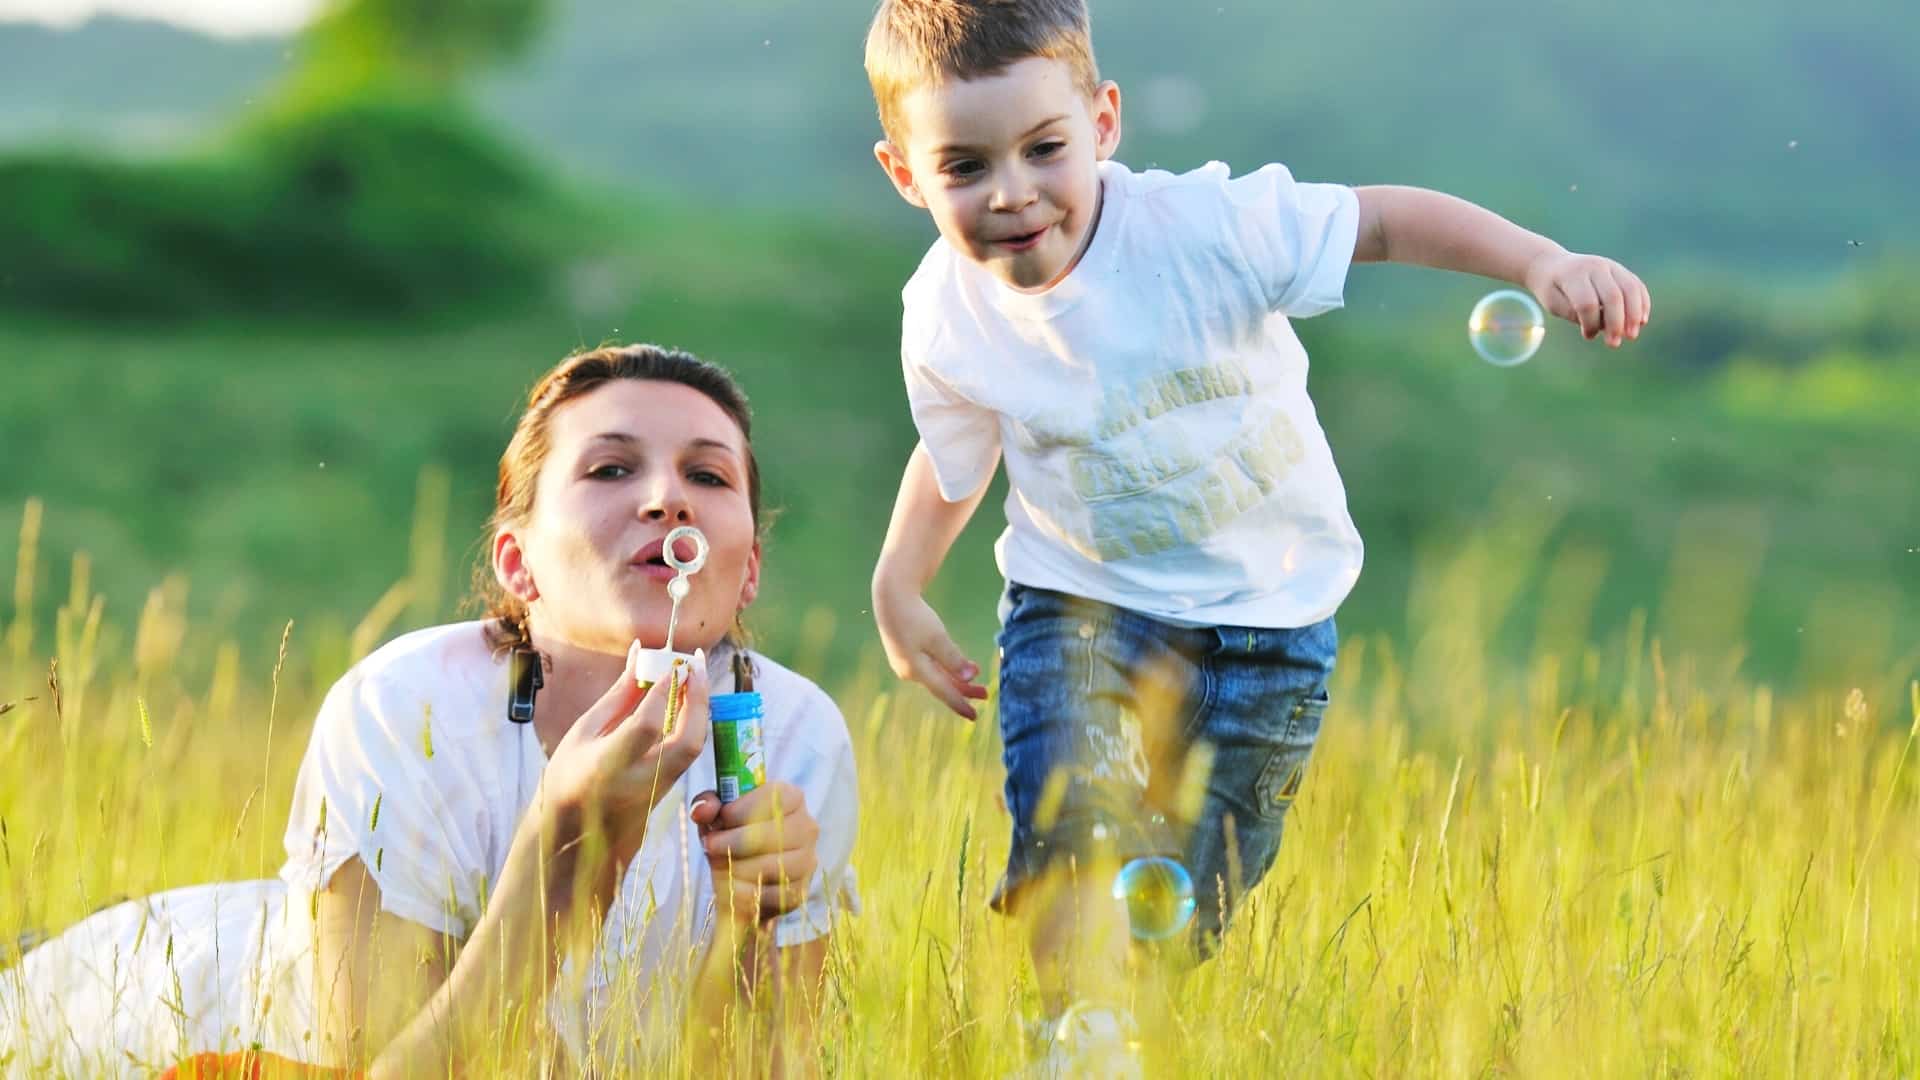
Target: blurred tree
{"points": [[430, 43]]}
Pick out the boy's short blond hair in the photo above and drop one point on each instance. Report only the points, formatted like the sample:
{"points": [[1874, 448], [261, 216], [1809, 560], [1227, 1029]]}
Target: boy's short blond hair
{"points": [[915, 43]]}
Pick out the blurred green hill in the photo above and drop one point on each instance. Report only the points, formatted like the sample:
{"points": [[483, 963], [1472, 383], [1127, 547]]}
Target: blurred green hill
{"points": [[1764, 136], [358, 206]]}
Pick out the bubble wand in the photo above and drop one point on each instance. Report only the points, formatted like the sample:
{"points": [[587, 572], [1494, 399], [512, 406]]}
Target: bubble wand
{"points": [[652, 664]]}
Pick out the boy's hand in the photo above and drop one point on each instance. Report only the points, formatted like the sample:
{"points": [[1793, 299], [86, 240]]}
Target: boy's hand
{"points": [[1598, 294], [919, 649]]}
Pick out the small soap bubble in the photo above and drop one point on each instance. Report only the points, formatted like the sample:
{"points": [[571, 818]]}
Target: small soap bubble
{"points": [[1091, 1031], [1158, 894], [1506, 327]]}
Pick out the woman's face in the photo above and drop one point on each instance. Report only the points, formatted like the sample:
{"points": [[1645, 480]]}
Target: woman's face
{"points": [[629, 462]]}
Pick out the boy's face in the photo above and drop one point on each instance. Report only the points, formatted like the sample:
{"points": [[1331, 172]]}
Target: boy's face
{"points": [[1006, 165]]}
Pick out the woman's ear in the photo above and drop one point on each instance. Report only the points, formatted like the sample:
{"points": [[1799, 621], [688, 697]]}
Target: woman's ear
{"points": [[510, 568], [750, 588]]}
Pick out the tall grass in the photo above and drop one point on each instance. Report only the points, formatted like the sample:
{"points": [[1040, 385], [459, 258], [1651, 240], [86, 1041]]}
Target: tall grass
{"points": [[1612, 862]]}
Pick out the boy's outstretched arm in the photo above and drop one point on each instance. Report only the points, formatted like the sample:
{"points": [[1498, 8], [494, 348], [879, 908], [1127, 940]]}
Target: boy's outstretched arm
{"points": [[922, 531], [1429, 228]]}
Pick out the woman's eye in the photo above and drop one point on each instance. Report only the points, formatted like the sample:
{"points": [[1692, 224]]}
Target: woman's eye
{"points": [[709, 478], [607, 472]]}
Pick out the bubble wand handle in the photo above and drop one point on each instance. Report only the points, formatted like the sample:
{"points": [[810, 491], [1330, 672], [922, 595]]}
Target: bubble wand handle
{"points": [[676, 591]]}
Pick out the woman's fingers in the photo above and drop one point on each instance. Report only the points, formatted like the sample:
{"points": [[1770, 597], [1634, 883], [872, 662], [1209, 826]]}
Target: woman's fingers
{"points": [[705, 809], [692, 719], [768, 819], [788, 833], [640, 730], [642, 747], [787, 873], [766, 901], [767, 802], [762, 849]]}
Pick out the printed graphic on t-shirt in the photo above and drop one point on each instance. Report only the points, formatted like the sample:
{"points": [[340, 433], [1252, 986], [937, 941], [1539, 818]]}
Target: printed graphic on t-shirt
{"points": [[1144, 480]]}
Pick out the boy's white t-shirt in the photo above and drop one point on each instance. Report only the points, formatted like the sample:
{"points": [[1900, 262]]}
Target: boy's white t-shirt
{"points": [[1152, 406]]}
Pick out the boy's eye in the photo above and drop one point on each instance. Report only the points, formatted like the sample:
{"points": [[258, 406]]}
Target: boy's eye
{"points": [[964, 170], [1049, 148]]}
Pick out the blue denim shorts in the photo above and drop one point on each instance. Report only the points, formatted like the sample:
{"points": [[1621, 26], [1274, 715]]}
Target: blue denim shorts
{"points": [[1133, 736]]}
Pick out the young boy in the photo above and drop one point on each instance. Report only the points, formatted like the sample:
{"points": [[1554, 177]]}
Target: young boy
{"points": [[1178, 536]]}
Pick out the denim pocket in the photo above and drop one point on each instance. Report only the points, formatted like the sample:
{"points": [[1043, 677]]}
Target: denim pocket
{"points": [[1286, 768]]}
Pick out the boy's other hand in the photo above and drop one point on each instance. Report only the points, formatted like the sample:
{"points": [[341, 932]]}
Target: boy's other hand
{"points": [[1599, 295], [919, 649]]}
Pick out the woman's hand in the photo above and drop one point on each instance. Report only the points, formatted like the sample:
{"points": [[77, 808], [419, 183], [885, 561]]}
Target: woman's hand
{"points": [[615, 764], [760, 848]]}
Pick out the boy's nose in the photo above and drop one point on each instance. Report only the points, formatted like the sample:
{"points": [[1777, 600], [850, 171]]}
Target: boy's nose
{"points": [[1014, 192]]}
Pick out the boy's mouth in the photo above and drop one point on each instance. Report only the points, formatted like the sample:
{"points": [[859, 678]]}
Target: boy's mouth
{"points": [[1024, 241]]}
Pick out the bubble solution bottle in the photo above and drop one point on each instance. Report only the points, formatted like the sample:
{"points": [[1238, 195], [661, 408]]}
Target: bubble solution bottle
{"points": [[739, 761]]}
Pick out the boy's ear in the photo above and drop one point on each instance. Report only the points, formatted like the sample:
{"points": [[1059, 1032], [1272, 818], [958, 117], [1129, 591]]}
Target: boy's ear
{"points": [[1106, 120], [893, 162]]}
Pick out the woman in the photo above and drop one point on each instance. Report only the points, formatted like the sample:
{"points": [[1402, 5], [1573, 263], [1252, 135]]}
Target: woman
{"points": [[455, 879]]}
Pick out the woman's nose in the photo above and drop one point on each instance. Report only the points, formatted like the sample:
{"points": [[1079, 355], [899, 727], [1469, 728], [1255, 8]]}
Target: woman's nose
{"points": [[667, 501]]}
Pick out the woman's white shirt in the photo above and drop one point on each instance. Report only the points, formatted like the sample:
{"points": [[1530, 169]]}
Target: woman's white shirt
{"points": [[415, 769]]}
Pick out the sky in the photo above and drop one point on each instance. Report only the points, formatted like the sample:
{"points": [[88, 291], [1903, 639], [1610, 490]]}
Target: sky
{"points": [[227, 17]]}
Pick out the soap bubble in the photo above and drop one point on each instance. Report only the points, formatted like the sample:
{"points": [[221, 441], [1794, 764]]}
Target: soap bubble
{"points": [[1506, 327], [1158, 894], [1093, 1039]]}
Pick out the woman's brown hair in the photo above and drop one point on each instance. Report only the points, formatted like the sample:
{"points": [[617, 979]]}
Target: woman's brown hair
{"points": [[526, 454]]}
